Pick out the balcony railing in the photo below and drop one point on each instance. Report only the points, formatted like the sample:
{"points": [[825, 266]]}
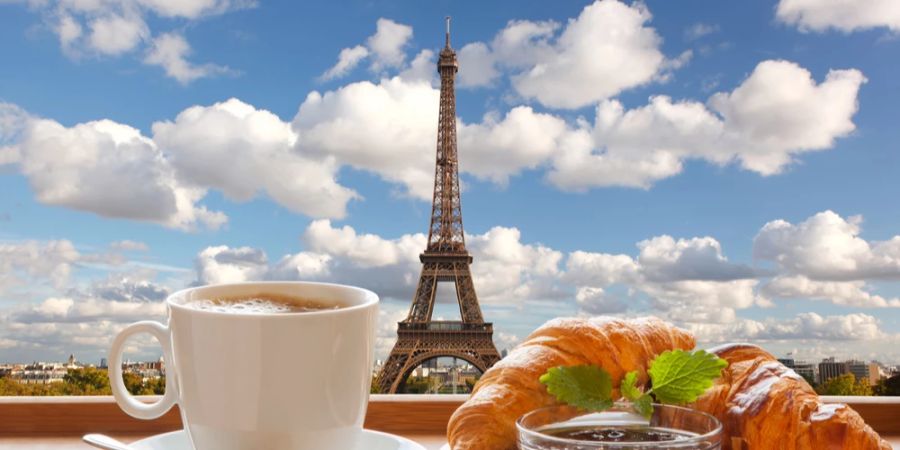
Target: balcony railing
{"points": [[447, 326]]}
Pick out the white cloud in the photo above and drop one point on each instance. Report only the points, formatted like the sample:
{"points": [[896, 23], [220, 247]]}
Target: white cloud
{"points": [[848, 293], [476, 65], [842, 15], [595, 300], [688, 279], [421, 69], [387, 50], [778, 112], [828, 247], [66, 309], [113, 170], [699, 30], [222, 264], [109, 169], [388, 128], [129, 246], [111, 28], [170, 51], [605, 50], [805, 326], [523, 139], [194, 9], [347, 60], [365, 250], [32, 262], [110, 35], [388, 44], [242, 151], [508, 271]]}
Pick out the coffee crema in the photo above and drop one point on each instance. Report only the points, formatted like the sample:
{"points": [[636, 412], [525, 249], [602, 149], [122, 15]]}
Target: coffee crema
{"points": [[261, 304]]}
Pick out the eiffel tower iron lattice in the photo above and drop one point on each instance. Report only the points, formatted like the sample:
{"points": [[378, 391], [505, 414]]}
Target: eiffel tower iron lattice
{"points": [[419, 338]]}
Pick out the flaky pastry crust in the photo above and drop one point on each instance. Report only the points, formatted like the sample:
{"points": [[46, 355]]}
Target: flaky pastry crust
{"points": [[512, 388], [764, 405]]}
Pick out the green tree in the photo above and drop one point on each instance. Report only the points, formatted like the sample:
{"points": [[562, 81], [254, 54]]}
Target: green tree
{"points": [[155, 386], [86, 381], [133, 383], [888, 386], [417, 385], [845, 385]]}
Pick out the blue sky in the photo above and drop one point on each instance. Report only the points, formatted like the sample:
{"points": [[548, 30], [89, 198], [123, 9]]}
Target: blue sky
{"points": [[729, 167]]}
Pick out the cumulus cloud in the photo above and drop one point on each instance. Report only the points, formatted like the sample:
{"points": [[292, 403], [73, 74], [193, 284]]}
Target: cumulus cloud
{"points": [[242, 151], [690, 280], [848, 293], [605, 50], [170, 51], [804, 326], [778, 112], [348, 59], [116, 27], [80, 315], [27, 262], [388, 43], [828, 247], [842, 15], [388, 128], [109, 169], [386, 49]]}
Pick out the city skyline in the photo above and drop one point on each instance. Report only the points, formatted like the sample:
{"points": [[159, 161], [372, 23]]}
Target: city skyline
{"points": [[729, 168]]}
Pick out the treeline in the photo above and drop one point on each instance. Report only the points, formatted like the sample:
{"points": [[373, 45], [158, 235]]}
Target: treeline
{"points": [[84, 381], [847, 384]]}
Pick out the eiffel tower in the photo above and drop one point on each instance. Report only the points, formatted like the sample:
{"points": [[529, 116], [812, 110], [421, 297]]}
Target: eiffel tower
{"points": [[419, 338]]}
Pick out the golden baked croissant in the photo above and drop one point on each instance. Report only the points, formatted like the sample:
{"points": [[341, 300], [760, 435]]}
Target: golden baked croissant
{"points": [[511, 388], [764, 405]]}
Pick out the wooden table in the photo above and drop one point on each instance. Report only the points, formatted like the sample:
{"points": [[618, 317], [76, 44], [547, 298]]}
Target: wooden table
{"points": [[73, 443], [37, 423]]}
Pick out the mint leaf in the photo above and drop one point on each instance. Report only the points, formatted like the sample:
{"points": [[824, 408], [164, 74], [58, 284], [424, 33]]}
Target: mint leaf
{"points": [[587, 387], [680, 377], [644, 405], [629, 387]]}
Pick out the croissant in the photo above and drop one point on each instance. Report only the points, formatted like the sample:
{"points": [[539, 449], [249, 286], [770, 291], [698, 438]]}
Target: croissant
{"points": [[764, 405], [511, 388]]}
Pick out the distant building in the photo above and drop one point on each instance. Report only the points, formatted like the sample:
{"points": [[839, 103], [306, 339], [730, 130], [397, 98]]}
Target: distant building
{"points": [[870, 372], [103, 363], [829, 368], [40, 373], [809, 371]]}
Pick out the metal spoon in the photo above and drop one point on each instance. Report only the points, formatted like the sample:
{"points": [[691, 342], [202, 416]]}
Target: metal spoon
{"points": [[105, 442]]}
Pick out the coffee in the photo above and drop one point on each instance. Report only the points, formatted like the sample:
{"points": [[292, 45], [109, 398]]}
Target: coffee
{"points": [[262, 304], [632, 433]]}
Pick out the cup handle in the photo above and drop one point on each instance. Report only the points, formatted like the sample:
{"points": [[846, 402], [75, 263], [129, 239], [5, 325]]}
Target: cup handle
{"points": [[129, 404]]}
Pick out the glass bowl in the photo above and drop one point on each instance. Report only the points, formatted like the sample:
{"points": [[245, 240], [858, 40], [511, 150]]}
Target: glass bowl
{"points": [[694, 429]]}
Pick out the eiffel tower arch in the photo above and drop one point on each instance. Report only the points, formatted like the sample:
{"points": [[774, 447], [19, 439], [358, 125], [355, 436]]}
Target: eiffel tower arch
{"points": [[445, 260]]}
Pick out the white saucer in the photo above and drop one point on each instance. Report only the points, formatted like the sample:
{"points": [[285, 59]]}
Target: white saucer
{"points": [[446, 447], [370, 440]]}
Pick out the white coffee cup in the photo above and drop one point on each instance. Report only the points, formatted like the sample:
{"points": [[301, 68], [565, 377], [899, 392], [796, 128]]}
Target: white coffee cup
{"points": [[262, 381]]}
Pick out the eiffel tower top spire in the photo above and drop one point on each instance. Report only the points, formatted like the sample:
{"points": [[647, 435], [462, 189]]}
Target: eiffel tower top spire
{"points": [[447, 44], [445, 235]]}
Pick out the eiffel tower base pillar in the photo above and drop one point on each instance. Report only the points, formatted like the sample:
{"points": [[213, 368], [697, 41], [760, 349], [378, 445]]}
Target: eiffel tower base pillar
{"points": [[418, 343]]}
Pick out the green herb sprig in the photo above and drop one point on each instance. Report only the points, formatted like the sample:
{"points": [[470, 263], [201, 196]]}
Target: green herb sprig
{"points": [[678, 377]]}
